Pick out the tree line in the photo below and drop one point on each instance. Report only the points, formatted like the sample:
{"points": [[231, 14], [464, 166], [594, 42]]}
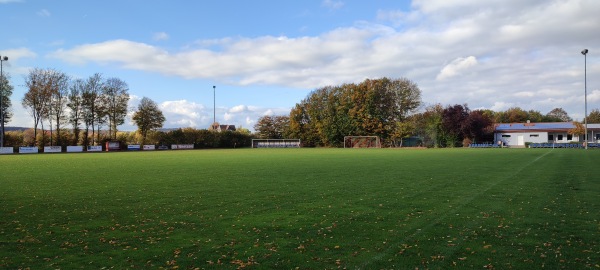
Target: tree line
{"points": [[93, 108], [392, 109], [85, 104], [389, 108]]}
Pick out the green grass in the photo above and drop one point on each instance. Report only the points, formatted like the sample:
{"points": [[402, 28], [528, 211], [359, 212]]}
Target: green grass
{"points": [[306, 208]]}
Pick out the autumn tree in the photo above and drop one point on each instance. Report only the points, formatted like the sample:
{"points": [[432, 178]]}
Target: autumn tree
{"points": [[535, 116], [428, 125], [6, 91], [594, 117], [558, 115], [302, 125], [272, 127], [148, 117], [372, 107], [401, 131], [579, 129], [478, 126], [516, 115], [453, 123]]}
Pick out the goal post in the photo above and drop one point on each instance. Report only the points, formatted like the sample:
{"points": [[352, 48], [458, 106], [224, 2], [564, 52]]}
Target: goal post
{"points": [[362, 142], [276, 143]]}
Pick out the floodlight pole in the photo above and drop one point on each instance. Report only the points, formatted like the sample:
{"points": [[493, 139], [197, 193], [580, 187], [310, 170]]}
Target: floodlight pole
{"points": [[2, 59], [584, 52], [214, 105]]}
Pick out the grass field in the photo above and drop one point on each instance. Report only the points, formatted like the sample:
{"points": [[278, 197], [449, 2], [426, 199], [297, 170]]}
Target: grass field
{"points": [[302, 208]]}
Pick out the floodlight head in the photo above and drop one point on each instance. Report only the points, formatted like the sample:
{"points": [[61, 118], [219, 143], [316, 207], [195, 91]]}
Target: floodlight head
{"points": [[584, 52], [5, 58], [214, 87]]}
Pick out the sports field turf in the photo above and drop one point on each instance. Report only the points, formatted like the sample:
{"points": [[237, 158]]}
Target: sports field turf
{"points": [[305, 208]]}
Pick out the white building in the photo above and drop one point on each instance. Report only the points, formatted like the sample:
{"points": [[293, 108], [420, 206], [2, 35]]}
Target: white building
{"points": [[518, 134]]}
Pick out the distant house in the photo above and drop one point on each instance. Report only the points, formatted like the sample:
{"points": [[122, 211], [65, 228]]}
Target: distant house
{"points": [[219, 128], [518, 134]]}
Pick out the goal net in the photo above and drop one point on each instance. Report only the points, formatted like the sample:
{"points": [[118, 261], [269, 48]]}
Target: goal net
{"points": [[362, 142], [275, 143]]}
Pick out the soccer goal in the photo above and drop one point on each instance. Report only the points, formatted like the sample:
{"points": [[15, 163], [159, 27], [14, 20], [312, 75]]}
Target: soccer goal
{"points": [[275, 143], [362, 142]]}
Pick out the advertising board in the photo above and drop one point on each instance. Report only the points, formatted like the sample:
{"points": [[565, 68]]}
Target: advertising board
{"points": [[94, 148], [149, 147], [52, 149], [75, 149], [7, 150], [182, 146], [28, 150], [113, 146], [134, 147]]}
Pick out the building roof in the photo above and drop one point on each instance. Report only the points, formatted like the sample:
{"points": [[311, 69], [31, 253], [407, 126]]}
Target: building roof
{"points": [[218, 127], [522, 127]]}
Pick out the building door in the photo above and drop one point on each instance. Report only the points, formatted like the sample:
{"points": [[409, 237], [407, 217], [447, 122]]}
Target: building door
{"points": [[520, 140]]}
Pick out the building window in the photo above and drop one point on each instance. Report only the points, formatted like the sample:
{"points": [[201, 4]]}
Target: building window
{"points": [[551, 137], [534, 135], [569, 137], [597, 136], [559, 137], [505, 136]]}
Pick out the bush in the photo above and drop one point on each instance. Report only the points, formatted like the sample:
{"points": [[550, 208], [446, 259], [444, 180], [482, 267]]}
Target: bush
{"points": [[466, 142], [202, 138]]}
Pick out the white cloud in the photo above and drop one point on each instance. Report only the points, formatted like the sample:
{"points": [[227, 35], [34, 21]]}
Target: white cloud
{"points": [[593, 96], [456, 67], [14, 57], [522, 53], [16, 54], [160, 36], [238, 109], [184, 113], [524, 94], [501, 106]]}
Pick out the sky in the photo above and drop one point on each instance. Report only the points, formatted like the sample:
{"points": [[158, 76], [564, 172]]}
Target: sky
{"points": [[264, 57]]}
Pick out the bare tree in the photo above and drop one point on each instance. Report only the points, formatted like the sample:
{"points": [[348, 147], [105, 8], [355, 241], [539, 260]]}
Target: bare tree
{"points": [[75, 105], [36, 98], [58, 83], [558, 115], [115, 97], [90, 96]]}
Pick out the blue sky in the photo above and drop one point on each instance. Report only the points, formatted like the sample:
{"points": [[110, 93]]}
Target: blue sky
{"points": [[266, 56]]}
